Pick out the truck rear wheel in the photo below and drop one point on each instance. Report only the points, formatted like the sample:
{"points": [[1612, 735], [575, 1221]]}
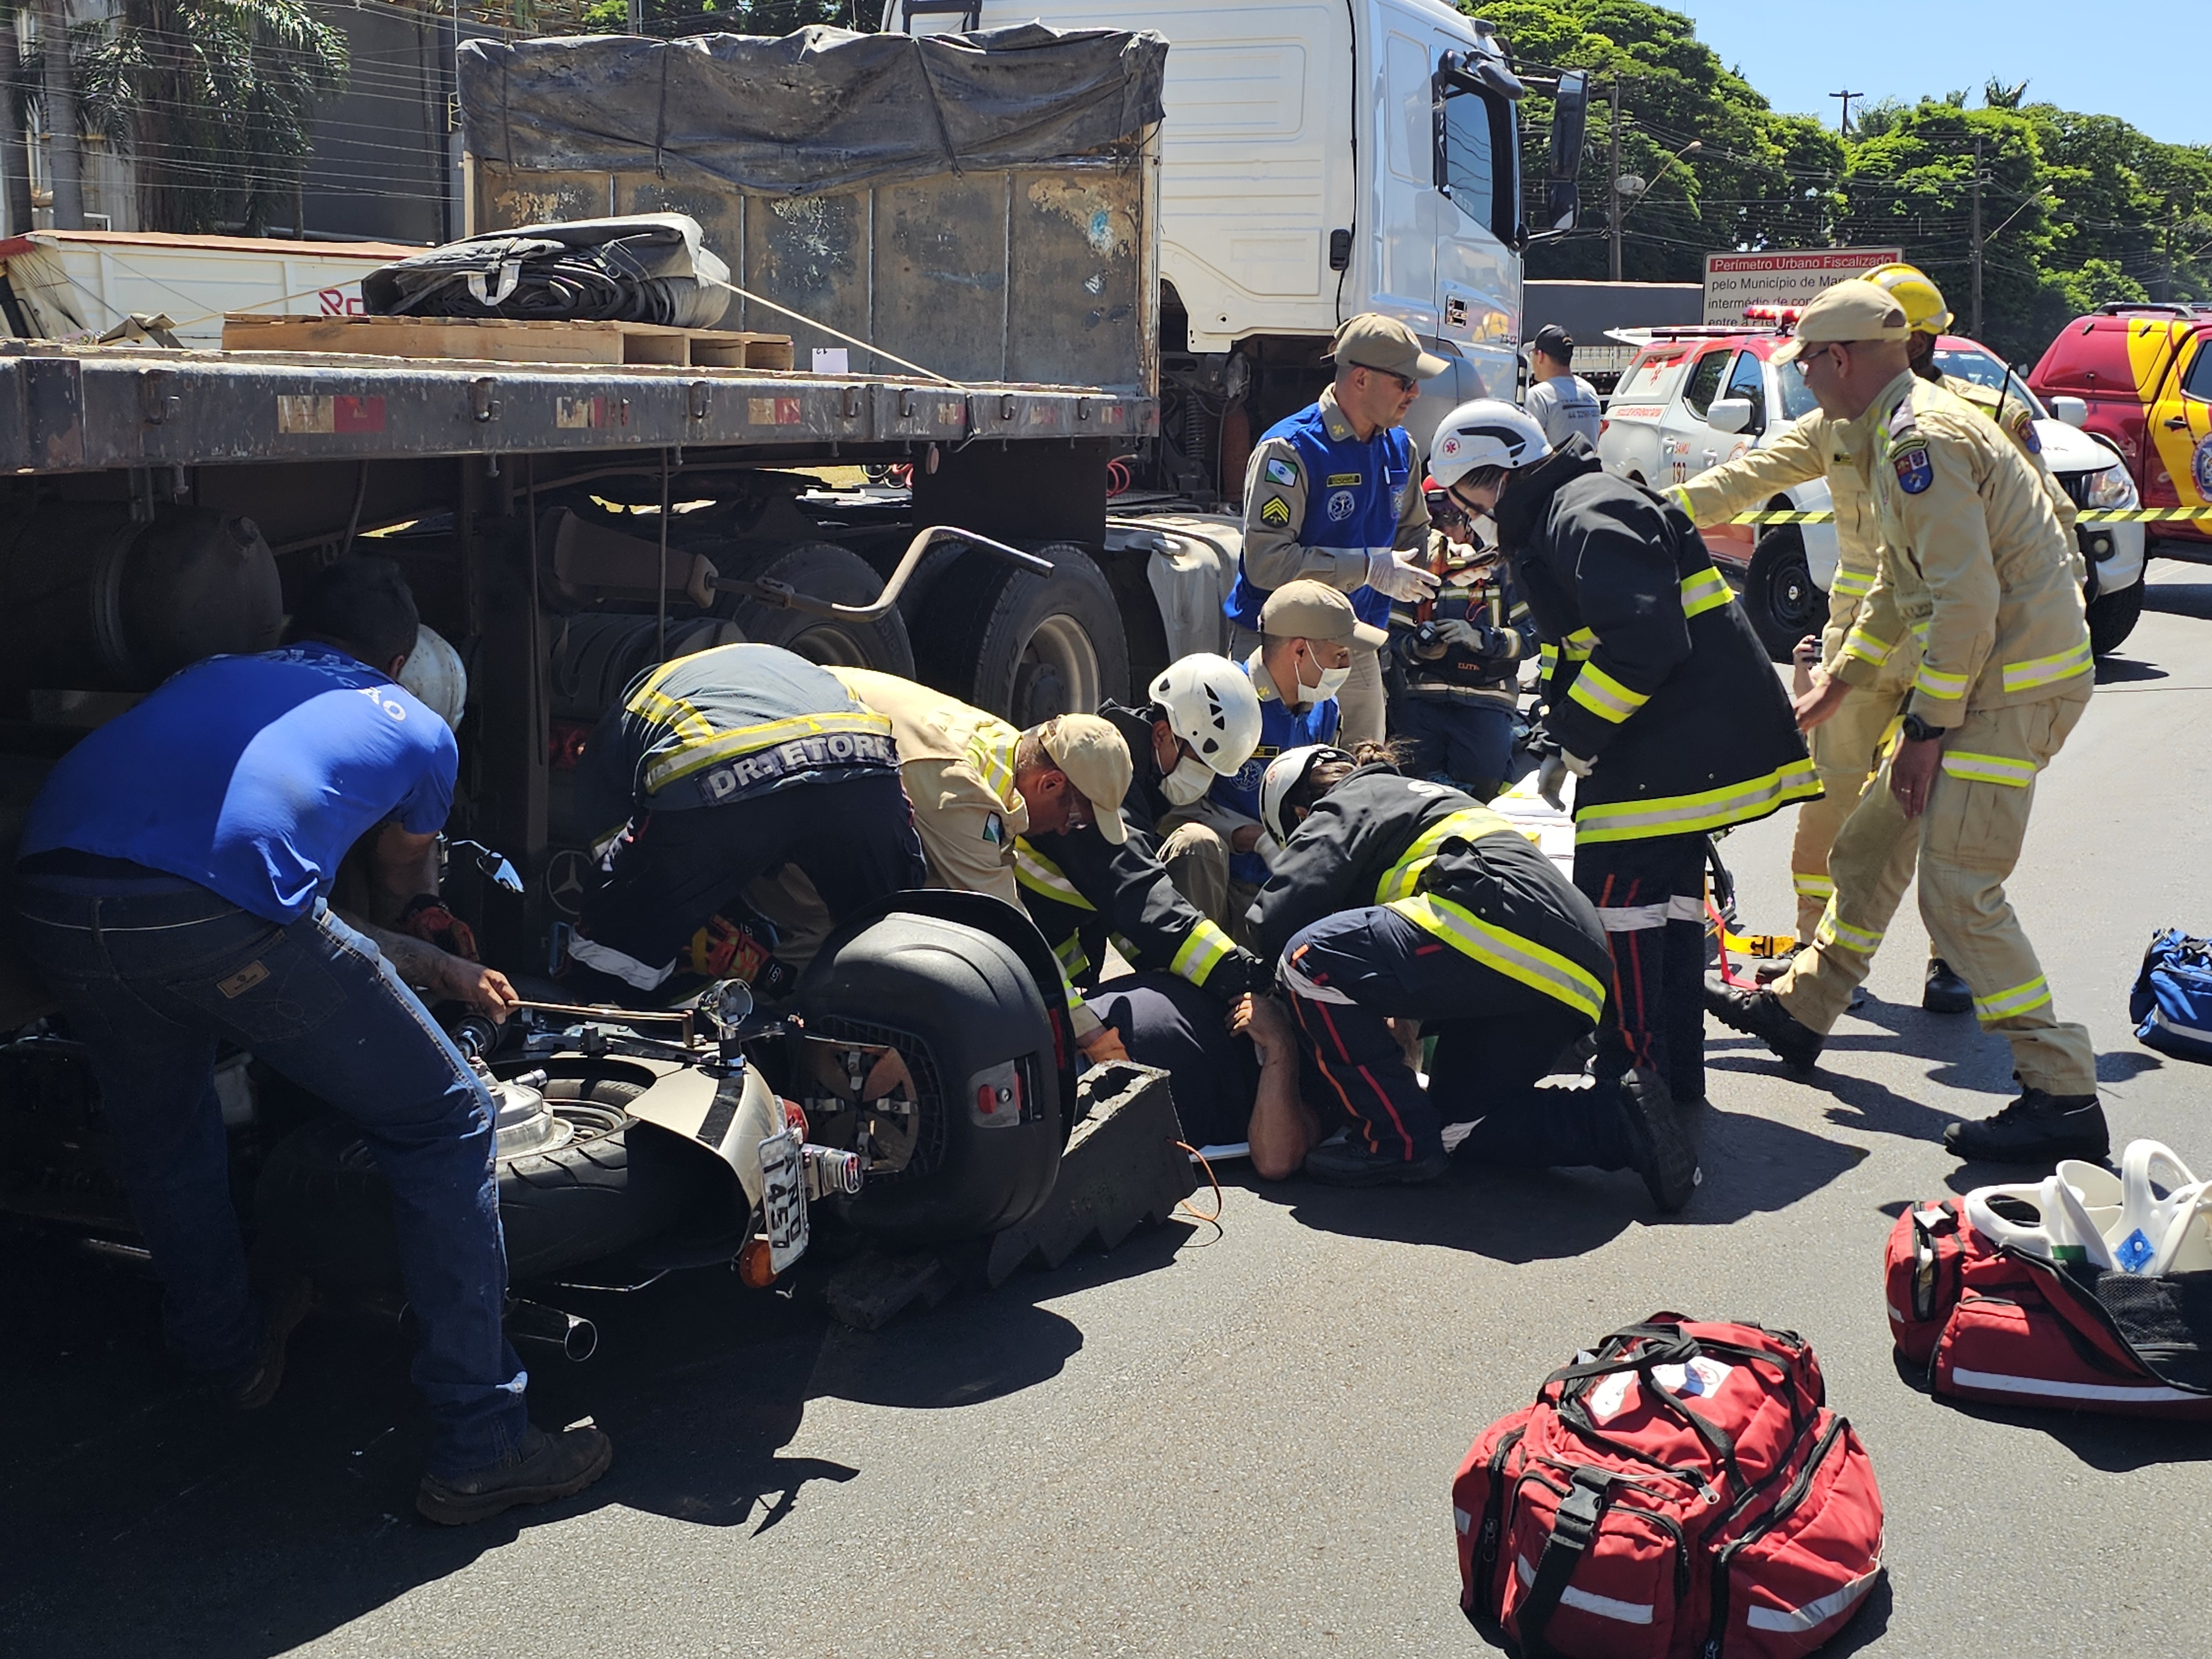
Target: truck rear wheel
{"points": [[1024, 645], [822, 570], [1778, 594]]}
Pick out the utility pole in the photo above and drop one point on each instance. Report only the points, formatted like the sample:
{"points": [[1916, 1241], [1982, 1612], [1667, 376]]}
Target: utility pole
{"points": [[1844, 120], [637, 16], [2172, 223], [1613, 181], [1976, 235]]}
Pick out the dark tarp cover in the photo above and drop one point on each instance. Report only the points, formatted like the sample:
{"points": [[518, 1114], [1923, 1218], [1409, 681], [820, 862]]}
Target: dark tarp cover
{"points": [[820, 110]]}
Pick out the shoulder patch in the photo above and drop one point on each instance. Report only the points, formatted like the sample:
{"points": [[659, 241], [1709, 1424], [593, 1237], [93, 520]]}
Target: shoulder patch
{"points": [[1915, 473], [2021, 425], [994, 829], [1342, 481], [1276, 511], [1280, 470]]}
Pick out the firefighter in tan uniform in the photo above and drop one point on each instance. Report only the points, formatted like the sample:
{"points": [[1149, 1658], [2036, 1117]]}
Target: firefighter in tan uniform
{"points": [[1846, 748], [1975, 567]]}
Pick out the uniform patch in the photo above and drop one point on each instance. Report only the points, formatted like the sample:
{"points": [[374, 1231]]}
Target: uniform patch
{"points": [[1281, 471], [2200, 466], [1343, 480], [2022, 428], [1341, 506], [994, 829], [1276, 511], [1914, 472]]}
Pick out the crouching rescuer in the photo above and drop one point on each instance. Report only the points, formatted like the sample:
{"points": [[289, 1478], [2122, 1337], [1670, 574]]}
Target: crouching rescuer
{"points": [[1659, 701], [1393, 898], [174, 880]]}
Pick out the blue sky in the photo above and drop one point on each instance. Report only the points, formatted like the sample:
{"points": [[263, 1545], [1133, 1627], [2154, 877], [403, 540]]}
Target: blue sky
{"points": [[2104, 59]]}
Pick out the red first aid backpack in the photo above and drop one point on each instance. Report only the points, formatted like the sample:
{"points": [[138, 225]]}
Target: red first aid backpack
{"points": [[1681, 1493], [1993, 1323]]}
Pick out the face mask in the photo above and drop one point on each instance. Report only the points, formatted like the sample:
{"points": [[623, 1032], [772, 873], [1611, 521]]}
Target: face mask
{"points": [[1191, 778], [1332, 682]]}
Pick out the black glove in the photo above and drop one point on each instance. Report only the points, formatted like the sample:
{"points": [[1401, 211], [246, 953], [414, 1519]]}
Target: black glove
{"points": [[1238, 973]]}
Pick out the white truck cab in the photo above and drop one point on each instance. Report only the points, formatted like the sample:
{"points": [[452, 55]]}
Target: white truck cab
{"points": [[1319, 158]]}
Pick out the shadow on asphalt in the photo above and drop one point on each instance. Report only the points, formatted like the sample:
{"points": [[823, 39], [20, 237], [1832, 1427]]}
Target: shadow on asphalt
{"points": [[246, 1535], [2116, 1445], [2119, 671]]}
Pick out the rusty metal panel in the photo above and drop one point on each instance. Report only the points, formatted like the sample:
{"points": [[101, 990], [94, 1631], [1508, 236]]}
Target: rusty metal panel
{"points": [[1074, 312], [507, 196], [719, 209], [811, 253], [940, 249]]}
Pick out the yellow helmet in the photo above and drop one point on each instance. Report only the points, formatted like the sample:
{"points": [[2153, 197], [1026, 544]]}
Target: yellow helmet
{"points": [[1911, 287]]}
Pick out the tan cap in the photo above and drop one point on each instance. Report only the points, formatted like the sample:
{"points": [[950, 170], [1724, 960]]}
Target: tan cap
{"points": [[1855, 310], [1371, 340], [1097, 761], [1305, 609]]}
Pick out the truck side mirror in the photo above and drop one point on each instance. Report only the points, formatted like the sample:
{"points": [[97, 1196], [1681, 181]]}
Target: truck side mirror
{"points": [[1570, 121], [2075, 411], [1728, 414], [1563, 204]]}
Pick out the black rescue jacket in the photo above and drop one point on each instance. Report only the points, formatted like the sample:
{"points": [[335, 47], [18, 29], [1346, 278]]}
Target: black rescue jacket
{"points": [[1081, 891], [1651, 670], [1449, 865]]}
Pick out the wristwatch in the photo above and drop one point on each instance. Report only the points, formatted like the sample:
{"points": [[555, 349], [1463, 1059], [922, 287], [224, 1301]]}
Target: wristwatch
{"points": [[1918, 730]]}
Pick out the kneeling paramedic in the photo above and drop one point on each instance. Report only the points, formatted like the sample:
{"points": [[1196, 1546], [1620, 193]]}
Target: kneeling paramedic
{"points": [[1153, 896], [979, 787], [1659, 699], [173, 879], [1394, 898], [715, 769]]}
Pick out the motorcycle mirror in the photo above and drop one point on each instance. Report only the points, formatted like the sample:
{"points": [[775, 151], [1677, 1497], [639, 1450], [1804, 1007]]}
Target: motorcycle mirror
{"points": [[730, 1004]]}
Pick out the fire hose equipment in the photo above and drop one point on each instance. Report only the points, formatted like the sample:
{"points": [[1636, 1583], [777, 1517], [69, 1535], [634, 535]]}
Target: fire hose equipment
{"points": [[1681, 1487], [646, 267]]}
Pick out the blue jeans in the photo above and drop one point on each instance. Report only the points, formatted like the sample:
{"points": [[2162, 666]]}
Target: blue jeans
{"points": [[152, 972], [1471, 743]]}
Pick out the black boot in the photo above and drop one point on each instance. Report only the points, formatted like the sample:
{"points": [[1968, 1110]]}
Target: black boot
{"points": [[542, 1467], [1347, 1162], [1659, 1146], [2038, 1129], [1945, 993], [1760, 1014]]}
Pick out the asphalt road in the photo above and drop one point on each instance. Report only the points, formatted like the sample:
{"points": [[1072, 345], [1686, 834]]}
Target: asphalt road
{"points": [[1195, 1445]]}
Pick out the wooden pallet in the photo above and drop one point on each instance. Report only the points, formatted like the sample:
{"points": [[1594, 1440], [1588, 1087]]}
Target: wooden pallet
{"points": [[498, 340]]}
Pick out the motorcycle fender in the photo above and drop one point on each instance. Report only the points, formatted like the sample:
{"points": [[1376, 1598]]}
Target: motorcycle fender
{"points": [[730, 1116]]}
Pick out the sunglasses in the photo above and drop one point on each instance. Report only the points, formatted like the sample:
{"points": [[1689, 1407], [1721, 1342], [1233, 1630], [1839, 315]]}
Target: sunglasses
{"points": [[1806, 359], [1405, 385]]}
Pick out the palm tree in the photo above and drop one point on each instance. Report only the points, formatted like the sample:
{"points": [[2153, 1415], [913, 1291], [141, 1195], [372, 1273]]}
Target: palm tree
{"points": [[64, 162], [14, 154]]}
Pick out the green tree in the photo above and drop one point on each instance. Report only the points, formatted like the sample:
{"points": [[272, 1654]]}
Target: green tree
{"points": [[772, 17]]}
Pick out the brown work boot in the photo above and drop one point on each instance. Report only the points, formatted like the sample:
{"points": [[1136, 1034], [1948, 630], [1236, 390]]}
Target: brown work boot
{"points": [[286, 1299], [542, 1467]]}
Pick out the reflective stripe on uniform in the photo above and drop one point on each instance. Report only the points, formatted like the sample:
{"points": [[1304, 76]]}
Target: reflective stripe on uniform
{"points": [[1073, 958], [1034, 871], [2018, 1000], [1203, 949], [2047, 671], [1517, 958], [1948, 688], [1689, 815], [1706, 590], [1604, 696], [1851, 585], [697, 751], [627, 968], [1812, 886], [1547, 657], [1867, 647], [991, 752], [1863, 940], [1578, 645], [1632, 918], [1988, 768], [1403, 879]]}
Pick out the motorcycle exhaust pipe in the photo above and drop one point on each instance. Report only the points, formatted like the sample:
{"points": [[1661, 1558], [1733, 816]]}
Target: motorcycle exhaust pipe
{"points": [[534, 1322]]}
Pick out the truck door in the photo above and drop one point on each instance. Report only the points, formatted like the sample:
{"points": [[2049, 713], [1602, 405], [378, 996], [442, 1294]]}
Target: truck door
{"points": [[1477, 170], [1747, 379], [1686, 444], [1408, 204], [2180, 468]]}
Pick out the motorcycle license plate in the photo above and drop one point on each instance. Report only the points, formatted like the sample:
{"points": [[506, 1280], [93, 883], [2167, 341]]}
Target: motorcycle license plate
{"points": [[783, 1198]]}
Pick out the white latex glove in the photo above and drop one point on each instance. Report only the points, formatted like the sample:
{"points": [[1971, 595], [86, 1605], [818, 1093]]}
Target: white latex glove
{"points": [[1399, 575]]}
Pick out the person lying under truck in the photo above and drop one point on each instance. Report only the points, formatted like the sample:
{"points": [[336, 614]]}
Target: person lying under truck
{"points": [[172, 875], [1086, 888], [1394, 898], [715, 769]]}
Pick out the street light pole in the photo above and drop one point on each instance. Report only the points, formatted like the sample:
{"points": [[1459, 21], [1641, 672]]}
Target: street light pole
{"points": [[1613, 182], [1844, 120], [1975, 237]]}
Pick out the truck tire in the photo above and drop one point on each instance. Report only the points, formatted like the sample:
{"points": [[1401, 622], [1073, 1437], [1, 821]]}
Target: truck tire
{"points": [[1778, 594], [2113, 616], [322, 1195], [822, 570], [1024, 645]]}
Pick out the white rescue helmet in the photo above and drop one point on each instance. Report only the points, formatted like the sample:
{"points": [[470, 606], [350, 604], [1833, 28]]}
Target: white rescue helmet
{"points": [[1485, 431], [1285, 772], [1211, 705], [434, 673]]}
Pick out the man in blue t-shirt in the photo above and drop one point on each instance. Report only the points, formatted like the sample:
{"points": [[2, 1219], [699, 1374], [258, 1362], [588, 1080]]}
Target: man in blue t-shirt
{"points": [[174, 876]]}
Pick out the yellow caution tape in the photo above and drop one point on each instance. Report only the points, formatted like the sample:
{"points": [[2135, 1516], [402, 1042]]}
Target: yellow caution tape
{"points": [[2094, 515]]}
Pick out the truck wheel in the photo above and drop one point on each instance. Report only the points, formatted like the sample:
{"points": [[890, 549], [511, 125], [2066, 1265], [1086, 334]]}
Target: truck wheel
{"points": [[324, 1196], [822, 570], [1024, 645], [1778, 594], [2114, 615]]}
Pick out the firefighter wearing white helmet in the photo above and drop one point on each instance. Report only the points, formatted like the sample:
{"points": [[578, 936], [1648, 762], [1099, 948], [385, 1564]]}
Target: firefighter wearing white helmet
{"points": [[1658, 698], [1396, 899], [432, 672]]}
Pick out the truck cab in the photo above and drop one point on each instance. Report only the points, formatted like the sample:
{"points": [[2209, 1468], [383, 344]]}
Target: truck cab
{"points": [[1317, 160]]}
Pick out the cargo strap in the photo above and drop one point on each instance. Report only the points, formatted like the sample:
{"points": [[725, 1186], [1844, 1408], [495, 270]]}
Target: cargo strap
{"points": [[2091, 515], [1587, 1494]]}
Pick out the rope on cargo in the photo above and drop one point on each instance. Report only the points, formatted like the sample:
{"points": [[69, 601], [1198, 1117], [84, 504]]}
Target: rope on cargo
{"points": [[800, 316], [2093, 515]]}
